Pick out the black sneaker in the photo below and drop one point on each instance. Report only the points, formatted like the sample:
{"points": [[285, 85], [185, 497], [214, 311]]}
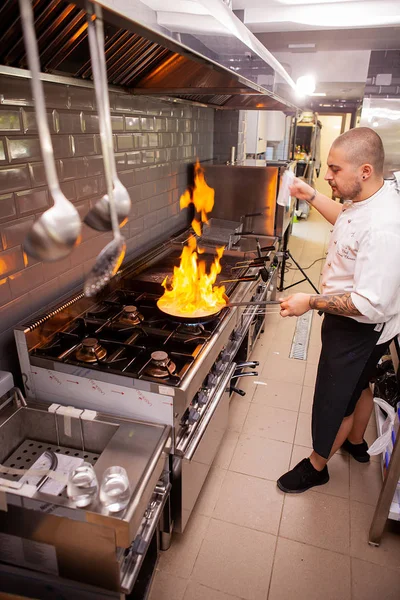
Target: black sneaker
{"points": [[302, 477], [357, 451]]}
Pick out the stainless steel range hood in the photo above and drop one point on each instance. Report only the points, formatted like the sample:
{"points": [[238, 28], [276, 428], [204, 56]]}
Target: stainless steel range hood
{"points": [[144, 57]]}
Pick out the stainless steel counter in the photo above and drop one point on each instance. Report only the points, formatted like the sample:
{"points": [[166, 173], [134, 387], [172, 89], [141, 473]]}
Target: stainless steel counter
{"points": [[86, 544]]}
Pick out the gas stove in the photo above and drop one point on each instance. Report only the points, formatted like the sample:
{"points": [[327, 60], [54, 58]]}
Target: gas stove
{"points": [[119, 354], [120, 346], [123, 334]]}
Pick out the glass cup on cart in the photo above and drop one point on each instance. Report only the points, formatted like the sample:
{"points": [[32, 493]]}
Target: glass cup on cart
{"points": [[82, 486], [114, 489]]}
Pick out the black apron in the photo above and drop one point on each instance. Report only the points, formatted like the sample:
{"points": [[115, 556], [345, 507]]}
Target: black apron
{"points": [[348, 356]]}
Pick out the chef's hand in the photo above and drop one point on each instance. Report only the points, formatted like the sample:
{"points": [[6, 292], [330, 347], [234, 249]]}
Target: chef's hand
{"points": [[301, 190], [295, 305]]}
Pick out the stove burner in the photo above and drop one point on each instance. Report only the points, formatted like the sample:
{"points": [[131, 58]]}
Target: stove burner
{"points": [[160, 358], [160, 365], [131, 315], [192, 329], [91, 351]]}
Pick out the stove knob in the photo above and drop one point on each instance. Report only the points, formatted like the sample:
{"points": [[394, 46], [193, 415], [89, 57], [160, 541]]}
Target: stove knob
{"points": [[212, 379], [202, 398], [193, 416], [225, 355], [220, 367]]}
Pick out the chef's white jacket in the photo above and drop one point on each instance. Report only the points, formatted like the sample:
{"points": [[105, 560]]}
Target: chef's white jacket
{"points": [[364, 259]]}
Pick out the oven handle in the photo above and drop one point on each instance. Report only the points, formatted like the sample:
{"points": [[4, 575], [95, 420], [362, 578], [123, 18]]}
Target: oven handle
{"points": [[224, 384], [135, 559], [250, 363], [246, 374]]}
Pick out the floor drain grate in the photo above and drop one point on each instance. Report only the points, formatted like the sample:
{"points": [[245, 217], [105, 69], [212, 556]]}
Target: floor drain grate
{"points": [[301, 336]]}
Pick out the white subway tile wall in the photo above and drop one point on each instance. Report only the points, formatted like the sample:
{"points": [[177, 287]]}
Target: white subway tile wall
{"points": [[154, 142]]}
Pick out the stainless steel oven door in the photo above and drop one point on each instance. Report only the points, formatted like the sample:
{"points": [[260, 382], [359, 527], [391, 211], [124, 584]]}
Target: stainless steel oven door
{"points": [[258, 322], [190, 472]]}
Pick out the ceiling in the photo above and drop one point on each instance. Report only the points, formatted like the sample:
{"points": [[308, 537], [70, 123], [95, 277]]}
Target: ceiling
{"points": [[333, 39], [294, 15]]}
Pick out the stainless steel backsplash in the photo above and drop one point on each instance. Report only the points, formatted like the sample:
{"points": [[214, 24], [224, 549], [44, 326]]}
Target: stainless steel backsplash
{"points": [[154, 141]]}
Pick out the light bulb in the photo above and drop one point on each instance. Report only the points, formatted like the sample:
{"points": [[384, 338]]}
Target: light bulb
{"points": [[305, 85]]}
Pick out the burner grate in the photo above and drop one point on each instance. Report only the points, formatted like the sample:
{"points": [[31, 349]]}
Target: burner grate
{"points": [[129, 326]]}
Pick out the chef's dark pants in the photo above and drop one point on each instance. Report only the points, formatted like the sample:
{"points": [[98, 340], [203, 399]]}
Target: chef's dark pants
{"points": [[348, 359]]}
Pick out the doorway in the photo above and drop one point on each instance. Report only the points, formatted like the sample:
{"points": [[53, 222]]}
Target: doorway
{"points": [[332, 127]]}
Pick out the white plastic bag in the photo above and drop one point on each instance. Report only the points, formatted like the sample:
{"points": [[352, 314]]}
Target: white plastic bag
{"points": [[382, 442], [284, 193]]}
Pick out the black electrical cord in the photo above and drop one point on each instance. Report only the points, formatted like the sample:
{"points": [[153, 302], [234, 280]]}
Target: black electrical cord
{"points": [[288, 266]]}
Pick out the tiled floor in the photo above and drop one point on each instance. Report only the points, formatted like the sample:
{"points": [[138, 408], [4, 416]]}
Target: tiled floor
{"points": [[247, 540]]}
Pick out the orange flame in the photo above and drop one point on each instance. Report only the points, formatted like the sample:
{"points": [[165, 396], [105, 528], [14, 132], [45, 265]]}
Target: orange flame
{"points": [[191, 291], [202, 196]]}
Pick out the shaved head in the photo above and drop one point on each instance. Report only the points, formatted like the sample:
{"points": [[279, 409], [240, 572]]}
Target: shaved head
{"points": [[362, 146]]}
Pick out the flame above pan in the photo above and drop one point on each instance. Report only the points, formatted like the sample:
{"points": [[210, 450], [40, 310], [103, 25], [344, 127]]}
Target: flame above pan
{"points": [[191, 290]]}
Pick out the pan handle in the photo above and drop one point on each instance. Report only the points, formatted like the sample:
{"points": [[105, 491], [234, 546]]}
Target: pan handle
{"points": [[255, 303], [248, 278]]}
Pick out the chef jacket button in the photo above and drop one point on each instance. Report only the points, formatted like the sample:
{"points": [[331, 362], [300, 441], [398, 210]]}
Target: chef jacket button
{"points": [[349, 221], [330, 230], [335, 242], [329, 264]]}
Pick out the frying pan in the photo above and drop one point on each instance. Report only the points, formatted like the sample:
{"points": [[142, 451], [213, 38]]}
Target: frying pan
{"points": [[213, 313]]}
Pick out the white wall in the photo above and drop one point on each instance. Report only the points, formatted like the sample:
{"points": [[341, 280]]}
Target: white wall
{"points": [[269, 125]]}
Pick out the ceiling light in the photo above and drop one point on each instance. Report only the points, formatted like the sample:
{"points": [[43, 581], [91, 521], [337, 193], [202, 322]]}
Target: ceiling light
{"points": [[296, 2], [383, 79], [322, 17], [297, 46], [318, 94], [305, 85], [375, 124]]}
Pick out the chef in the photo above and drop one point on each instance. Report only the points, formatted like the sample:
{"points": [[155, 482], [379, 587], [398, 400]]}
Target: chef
{"points": [[360, 299]]}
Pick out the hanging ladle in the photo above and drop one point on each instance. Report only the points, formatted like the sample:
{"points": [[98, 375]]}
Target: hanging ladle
{"points": [[111, 257], [57, 231], [99, 217]]}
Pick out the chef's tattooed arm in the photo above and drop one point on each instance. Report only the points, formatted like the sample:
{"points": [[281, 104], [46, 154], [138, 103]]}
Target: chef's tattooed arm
{"points": [[341, 304]]}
